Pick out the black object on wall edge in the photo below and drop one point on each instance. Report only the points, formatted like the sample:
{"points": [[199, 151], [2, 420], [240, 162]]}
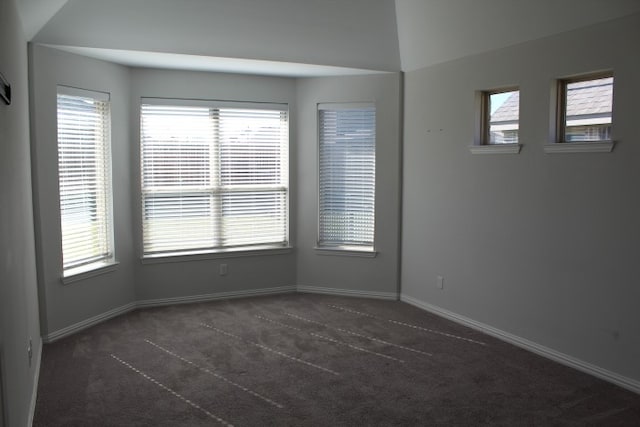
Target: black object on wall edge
{"points": [[5, 90]]}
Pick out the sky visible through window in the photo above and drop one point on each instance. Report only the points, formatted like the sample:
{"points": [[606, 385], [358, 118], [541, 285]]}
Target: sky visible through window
{"points": [[498, 99]]}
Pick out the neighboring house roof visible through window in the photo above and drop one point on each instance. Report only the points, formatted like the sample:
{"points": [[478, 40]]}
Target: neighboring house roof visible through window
{"points": [[508, 111], [589, 103]]}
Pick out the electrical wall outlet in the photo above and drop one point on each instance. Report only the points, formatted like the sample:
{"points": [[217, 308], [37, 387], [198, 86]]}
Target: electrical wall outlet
{"points": [[223, 269], [440, 282]]}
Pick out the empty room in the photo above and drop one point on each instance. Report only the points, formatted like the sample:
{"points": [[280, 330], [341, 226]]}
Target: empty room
{"points": [[319, 212]]}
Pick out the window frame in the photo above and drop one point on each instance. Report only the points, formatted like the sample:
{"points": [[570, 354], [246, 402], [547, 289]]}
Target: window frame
{"points": [[561, 105], [482, 138], [106, 261], [217, 188], [344, 248], [486, 114], [558, 143]]}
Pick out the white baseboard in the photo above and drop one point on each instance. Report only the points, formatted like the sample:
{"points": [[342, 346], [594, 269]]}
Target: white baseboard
{"points": [[76, 327], [160, 302], [347, 292], [565, 359], [36, 380], [72, 329], [212, 297]]}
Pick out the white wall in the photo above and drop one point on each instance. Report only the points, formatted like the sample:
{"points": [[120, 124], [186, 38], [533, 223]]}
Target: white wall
{"points": [[177, 279], [349, 33], [159, 282], [194, 278], [18, 288], [69, 306], [366, 276], [542, 246], [65, 305]]}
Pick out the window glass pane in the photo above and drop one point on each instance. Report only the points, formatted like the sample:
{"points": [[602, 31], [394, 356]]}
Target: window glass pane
{"points": [[184, 217], [347, 177], [257, 217], [213, 178], [504, 116], [250, 147], [588, 110], [84, 171]]}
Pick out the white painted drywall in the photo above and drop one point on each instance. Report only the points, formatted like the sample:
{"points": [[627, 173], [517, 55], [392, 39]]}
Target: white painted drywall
{"points": [[191, 278], [345, 273], [350, 33], [543, 246], [18, 282], [435, 31], [65, 305]]}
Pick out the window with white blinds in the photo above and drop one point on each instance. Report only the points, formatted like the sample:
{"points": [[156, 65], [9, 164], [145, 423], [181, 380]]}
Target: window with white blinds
{"points": [[84, 171], [214, 176], [347, 167]]}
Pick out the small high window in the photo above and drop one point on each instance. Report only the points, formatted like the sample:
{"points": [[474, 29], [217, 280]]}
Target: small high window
{"points": [[500, 116], [585, 106]]}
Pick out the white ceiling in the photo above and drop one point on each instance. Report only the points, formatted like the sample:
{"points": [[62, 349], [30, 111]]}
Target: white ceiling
{"points": [[36, 13], [302, 37], [354, 34], [212, 64], [435, 31]]}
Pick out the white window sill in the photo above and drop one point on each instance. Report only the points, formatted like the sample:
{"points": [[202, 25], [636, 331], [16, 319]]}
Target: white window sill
{"points": [[496, 149], [580, 147], [224, 253], [364, 252], [87, 271]]}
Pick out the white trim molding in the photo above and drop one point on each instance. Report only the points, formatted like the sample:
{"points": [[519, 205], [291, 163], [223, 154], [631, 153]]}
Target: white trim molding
{"points": [[160, 302], [213, 297], [347, 292], [218, 254], [496, 149], [549, 353], [344, 251], [580, 147], [91, 271], [76, 327]]}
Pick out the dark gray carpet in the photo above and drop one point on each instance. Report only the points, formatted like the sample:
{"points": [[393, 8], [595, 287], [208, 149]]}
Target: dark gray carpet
{"points": [[295, 360]]}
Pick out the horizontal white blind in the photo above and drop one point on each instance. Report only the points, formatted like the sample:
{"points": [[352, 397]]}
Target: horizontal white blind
{"points": [[84, 169], [347, 176], [213, 177]]}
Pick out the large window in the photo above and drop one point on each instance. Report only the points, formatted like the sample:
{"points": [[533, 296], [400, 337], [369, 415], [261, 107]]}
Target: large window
{"points": [[347, 167], [84, 170], [214, 176], [586, 104]]}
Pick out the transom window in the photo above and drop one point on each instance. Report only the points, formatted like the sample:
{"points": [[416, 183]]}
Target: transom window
{"points": [[585, 107], [347, 166], [84, 174], [214, 176], [500, 116]]}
